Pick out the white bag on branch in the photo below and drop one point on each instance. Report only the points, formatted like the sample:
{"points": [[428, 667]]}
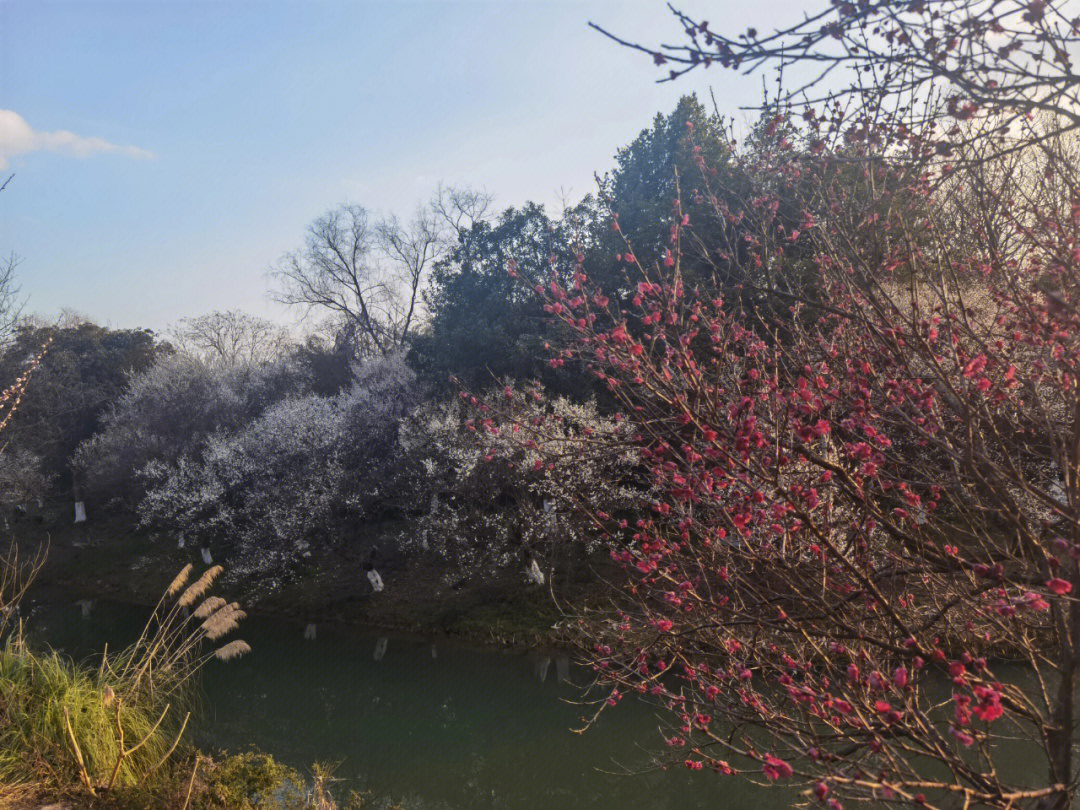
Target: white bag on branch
{"points": [[533, 573], [206, 558], [375, 580], [80, 512]]}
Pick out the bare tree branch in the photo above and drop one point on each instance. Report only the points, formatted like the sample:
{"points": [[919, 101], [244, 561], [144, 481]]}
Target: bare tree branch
{"points": [[369, 274]]}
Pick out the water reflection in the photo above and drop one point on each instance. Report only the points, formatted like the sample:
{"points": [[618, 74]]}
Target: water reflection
{"points": [[562, 669], [541, 666]]}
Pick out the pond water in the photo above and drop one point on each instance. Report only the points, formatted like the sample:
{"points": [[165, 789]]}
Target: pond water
{"points": [[427, 726]]}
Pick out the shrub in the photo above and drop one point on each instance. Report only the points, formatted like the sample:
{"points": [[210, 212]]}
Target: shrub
{"points": [[308, 466], [481, 517], [171, 409], [70, 727], [22, 478]]}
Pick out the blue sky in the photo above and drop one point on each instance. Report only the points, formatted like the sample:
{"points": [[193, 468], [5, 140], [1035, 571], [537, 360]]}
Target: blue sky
{"points": [[223, 128]]}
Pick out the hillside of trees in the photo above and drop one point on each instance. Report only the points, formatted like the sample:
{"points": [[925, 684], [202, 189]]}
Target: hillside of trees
{"points": [[784, 426], [229, 434]]}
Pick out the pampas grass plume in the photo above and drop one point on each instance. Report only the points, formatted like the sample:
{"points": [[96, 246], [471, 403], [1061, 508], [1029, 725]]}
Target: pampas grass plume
{"points": [[211, 604], [223, 621], [233, 649], [180, 580], [200, 586]]}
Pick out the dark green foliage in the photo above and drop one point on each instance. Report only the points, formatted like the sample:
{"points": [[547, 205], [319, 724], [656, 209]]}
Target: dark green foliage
{"points": [[484, 323], [248, 781], [660, 167]]}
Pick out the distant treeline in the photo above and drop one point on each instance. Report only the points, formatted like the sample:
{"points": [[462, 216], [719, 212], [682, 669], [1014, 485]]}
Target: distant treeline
{"points": [[231, 434]]}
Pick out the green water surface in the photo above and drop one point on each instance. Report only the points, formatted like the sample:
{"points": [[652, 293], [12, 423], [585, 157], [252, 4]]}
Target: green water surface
{"points": [[429, 726]]}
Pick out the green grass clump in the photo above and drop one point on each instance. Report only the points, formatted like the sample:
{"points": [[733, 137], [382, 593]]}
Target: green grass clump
{"points": [[109, 736], [73, 729], [35, 744], [250, 781]]}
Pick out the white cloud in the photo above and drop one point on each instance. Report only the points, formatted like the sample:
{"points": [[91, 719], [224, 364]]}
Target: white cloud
{"points": [[17, 137]]}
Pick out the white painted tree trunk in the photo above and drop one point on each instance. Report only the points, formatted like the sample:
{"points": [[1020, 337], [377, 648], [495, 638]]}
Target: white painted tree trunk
{"points": [[549, 514], [80, 512]]}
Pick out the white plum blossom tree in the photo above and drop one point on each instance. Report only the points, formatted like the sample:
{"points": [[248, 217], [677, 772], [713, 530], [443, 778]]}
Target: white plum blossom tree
{"points": [[169, 410], [490, 502], [307, 467]]}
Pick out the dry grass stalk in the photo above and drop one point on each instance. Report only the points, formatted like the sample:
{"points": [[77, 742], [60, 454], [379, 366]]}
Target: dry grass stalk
{"points": [[15, 577], [84, 777], [172, 748], [170, 642], [122, 752], [191, 783]]}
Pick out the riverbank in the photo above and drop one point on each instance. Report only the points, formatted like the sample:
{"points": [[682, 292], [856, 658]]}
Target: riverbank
{"points": [[492, 728], [111, 558], [196, 781]]}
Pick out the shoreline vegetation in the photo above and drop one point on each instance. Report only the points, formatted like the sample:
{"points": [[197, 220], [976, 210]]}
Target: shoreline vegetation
{"points": [[109, 732], [85, 768]]}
